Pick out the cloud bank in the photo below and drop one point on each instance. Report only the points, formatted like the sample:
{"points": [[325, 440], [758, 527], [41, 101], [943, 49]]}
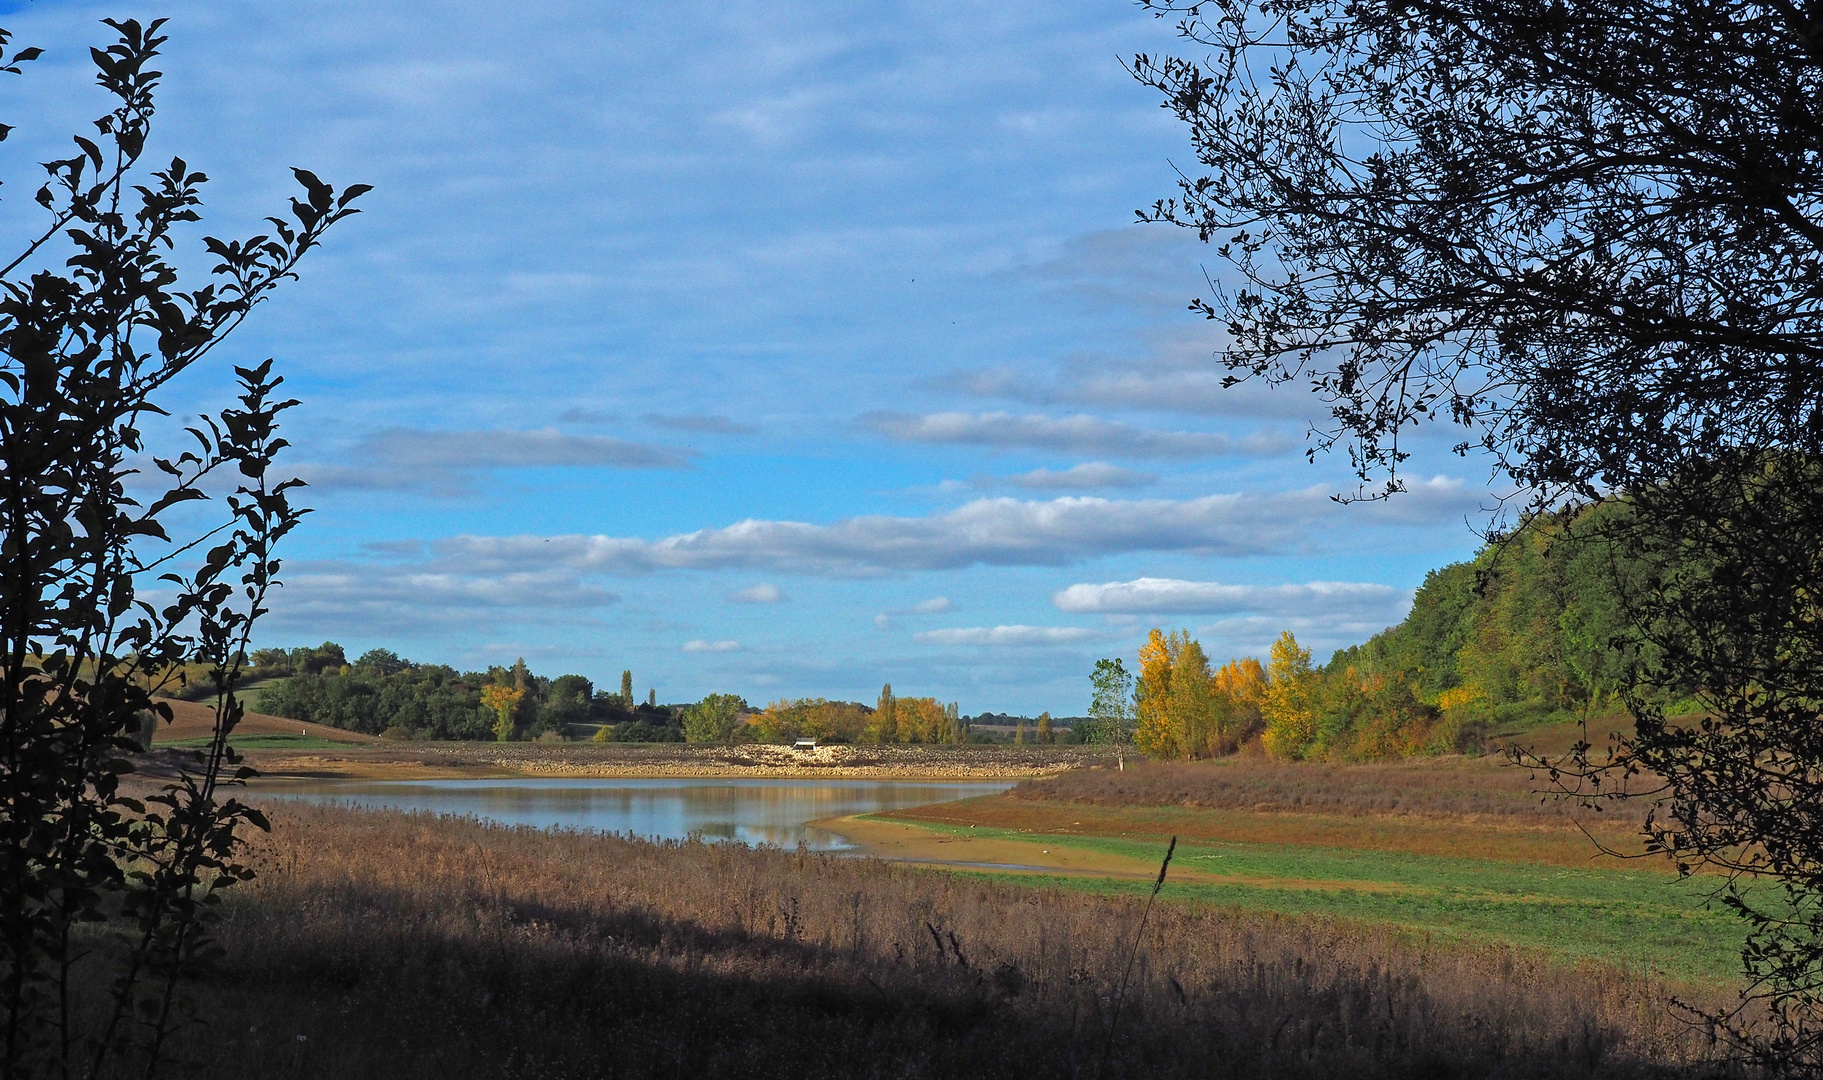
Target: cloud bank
{"points": [[1005, 636], [1161, 596], [447, 462], [1071, 434], [984, 532], [1088, 476]]}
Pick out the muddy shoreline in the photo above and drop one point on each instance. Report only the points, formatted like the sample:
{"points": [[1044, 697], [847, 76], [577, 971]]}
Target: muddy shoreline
{"points": [[446, 761]]}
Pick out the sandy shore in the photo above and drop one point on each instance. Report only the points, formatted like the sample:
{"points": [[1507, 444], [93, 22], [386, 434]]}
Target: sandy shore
{"points": [[440, 761]]}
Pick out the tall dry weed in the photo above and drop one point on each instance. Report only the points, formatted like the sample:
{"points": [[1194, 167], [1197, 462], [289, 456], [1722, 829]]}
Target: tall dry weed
{"points": [[400, 945]]}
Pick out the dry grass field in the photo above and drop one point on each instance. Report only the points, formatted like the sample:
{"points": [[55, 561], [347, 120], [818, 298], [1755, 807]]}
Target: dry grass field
{"points": [[379, 944], [194, 720]]}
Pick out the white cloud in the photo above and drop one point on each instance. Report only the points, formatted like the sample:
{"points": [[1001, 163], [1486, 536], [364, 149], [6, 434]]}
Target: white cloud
{"points": [[699, 645], [758, 594], [445, 462], [1074, 434], [709, 425], [378, 597], [1174, 372], [993, 532], [1323, 614], [424, 585], [1005, 635], [1157, 596], [1088, 476]]}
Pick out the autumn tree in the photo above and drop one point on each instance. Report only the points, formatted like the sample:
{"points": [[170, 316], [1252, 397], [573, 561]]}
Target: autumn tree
{"points": [[626, 689], [1045, 735], [1153, 733], [504, 701], [1241, 687], [1286, 706]]}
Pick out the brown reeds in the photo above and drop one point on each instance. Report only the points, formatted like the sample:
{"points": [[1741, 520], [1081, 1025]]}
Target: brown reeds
{"points": [[398, 945]]}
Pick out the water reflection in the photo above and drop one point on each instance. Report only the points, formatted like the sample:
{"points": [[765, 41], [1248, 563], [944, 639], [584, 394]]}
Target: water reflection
{"points": [[751, 811]]}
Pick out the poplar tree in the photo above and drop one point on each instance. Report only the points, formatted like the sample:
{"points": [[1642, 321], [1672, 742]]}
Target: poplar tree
{"points": [[886, 717]]}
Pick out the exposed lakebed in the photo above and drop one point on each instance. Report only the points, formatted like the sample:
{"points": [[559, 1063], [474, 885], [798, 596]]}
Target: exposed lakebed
{"points": [[752, 811]]}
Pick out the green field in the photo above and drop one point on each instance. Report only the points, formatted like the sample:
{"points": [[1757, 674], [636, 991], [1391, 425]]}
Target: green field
{"points": [[1639, 920]]}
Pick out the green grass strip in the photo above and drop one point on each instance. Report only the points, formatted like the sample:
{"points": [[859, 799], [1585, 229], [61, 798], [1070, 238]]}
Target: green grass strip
{"points": [[1642, 921]]}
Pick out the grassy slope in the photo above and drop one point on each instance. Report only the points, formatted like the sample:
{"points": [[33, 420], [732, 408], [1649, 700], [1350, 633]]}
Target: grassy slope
{"points": [[191, 722], [1640, 920], [1461, 848]]}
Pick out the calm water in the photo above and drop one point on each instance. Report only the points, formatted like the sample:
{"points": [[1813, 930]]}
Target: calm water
{"points": [[751, 811]]}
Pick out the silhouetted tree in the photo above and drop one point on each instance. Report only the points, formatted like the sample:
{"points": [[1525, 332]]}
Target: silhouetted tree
{"points": [[1590, 234], [92, 329]]}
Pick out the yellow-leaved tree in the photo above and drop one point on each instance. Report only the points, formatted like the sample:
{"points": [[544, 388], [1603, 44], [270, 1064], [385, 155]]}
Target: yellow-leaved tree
{"points": [[1193, 710], [502, 699], [1240, 690], [1153, 733], [1187, 710], [1291, 724]]}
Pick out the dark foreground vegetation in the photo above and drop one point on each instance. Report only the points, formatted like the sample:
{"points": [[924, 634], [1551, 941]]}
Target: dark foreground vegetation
{"points": [[392, 945]]}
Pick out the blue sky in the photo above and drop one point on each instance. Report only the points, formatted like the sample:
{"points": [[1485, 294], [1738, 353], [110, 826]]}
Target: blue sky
{"points": [[775, 348]]}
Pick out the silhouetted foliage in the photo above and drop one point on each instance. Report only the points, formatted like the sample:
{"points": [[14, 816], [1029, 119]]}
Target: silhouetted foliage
{"points": [[1587, 232], [92, 329], [1591, 234]]}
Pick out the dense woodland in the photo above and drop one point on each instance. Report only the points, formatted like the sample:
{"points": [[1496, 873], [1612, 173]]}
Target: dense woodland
{"points": [[382, 693], [1530, 630]]}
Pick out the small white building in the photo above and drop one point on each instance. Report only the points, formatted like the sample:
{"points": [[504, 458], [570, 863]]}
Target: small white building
{"points": [[804, 744]]}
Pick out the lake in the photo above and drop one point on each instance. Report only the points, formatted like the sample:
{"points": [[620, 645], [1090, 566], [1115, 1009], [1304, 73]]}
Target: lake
{"points": [[752, 811]]}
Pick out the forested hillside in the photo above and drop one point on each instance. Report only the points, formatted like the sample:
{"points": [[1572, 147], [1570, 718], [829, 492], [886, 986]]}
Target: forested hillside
{"points": [[382, 693], [1528, 631]]}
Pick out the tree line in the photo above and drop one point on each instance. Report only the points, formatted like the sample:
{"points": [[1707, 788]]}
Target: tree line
{"points": [[382, 693]]}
